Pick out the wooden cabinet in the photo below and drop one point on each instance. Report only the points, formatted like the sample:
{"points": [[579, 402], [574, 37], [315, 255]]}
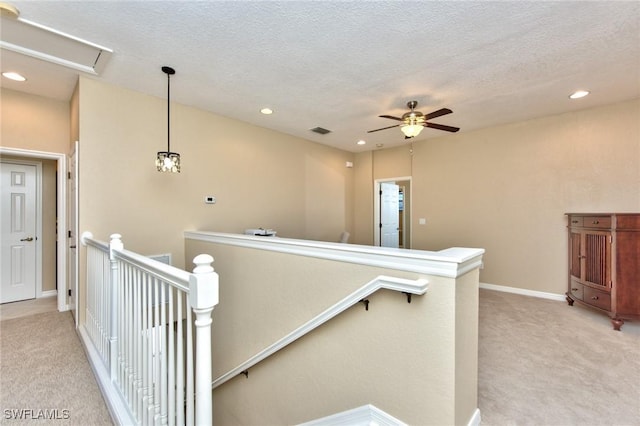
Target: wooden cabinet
{"points": [[604, 264]]}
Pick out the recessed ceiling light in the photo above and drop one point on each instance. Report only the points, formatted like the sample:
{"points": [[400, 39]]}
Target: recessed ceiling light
{"points": [[579, 94], [14, 76], [361, 142], [266, 111]]}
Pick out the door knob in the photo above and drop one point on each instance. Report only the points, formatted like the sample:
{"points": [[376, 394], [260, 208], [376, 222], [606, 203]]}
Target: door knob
{"points": [[27, 239]]}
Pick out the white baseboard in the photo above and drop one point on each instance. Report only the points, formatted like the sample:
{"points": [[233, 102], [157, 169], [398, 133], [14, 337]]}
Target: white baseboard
{"points": [[524, 292], [475, 419], [115, 404], [48, 293]]}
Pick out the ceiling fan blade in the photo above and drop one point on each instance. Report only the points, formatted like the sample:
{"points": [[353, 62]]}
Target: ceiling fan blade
{"points": [[391, 117], [384, 128], [442, 127], [438, 113]]}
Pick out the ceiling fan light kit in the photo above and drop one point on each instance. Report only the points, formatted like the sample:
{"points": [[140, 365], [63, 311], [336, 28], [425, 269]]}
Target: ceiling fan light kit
{"points": [[411, 130], [414, 121]]}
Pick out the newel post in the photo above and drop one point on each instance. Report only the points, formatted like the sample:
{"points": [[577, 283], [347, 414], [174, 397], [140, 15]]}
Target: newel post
{"points": [[203, 296], [115, 243]]}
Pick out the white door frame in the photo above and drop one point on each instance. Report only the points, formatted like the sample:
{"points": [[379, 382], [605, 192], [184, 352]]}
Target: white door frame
{"points": [[376, 207], [72, 211], [61, 203]]}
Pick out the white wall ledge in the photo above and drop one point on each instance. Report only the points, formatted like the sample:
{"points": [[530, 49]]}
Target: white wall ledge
{"points": [[367, 415], [451, 263]]}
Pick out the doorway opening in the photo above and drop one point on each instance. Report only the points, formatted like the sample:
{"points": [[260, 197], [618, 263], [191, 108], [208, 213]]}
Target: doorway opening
{"points": [[392, 212]]}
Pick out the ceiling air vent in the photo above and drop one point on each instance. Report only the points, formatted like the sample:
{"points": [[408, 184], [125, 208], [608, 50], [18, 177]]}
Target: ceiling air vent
{"points": [[320, 130], [38, 41]]}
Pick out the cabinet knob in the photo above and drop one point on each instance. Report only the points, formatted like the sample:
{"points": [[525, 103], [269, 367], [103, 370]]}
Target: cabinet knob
{"points": [[595, 222], [574, 221], [594, 297], [574, 289]]}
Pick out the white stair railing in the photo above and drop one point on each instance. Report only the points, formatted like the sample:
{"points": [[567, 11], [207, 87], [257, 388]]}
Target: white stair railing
{"points": [[140, 324]]}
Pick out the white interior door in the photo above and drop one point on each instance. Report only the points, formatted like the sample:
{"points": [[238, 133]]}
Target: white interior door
{"points": [[18, 225], [389, 214], [72, 209]]}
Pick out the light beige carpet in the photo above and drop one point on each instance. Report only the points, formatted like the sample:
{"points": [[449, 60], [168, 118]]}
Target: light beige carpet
{"points": [[542, 362], [45, 377]]}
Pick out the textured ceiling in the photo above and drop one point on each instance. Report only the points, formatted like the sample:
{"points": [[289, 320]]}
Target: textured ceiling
{"points": [[339, 65]]}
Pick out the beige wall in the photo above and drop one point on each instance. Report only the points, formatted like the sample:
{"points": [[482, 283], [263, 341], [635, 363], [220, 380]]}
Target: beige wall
{"points": [[466, 332], [35, 123], [259, 177], [74, 126], [506, 188], [363, 206], [417, 361]]}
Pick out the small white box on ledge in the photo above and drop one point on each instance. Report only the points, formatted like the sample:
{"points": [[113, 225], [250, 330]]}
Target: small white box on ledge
{"points": [[260, 232]]}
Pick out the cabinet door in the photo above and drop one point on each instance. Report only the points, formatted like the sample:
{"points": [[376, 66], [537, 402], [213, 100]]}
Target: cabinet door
{"points": [[596, 248], [575, 254]]}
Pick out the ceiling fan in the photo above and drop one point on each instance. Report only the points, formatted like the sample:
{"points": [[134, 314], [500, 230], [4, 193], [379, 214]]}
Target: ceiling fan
{"points": [[414, 121]]}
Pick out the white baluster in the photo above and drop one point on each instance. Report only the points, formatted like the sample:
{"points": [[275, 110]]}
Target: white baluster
{"points": [[114, 244], [156, 351], [137, 327], [189, 349], [203, 295], [163, 355], [171, 365], [179, 363]]}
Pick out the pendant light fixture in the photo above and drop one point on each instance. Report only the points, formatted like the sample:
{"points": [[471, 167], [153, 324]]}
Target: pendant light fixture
{"points": [[168, 161]]}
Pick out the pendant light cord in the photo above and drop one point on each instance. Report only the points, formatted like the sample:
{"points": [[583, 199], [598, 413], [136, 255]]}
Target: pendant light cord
{"points": [[169, 71], [168, 112]]}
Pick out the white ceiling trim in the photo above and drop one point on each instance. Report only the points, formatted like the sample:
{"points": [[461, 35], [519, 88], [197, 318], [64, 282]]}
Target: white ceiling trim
{"points": [[34, 40]]}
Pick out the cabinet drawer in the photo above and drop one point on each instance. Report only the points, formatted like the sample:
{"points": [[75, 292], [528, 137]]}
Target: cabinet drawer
{"points": [[597, 298], [597, 222], [575, 220], [576, 290]]}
